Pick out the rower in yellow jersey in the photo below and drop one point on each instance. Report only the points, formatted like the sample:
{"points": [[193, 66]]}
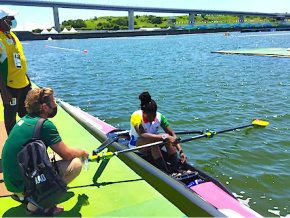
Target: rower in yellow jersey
{"points": [[145, 124]]}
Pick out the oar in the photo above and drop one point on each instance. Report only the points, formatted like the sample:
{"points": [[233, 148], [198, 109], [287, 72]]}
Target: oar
{"points": [[208, 134], [115, 138], [189, 132], [256, 122], [108, 155]]}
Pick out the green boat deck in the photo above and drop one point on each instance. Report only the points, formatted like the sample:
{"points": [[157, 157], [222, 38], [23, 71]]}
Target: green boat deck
{"points": [[119, 192], [272, 52]]}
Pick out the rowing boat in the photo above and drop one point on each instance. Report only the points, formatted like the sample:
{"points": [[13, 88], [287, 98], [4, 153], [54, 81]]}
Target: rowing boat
{"points": [[205, 196]]}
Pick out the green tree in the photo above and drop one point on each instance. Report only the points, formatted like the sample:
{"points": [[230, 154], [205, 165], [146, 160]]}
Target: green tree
{"points": [[157, 20], [154, 20], [75, 23], [122, 21], [37, 31], [107, 25], [79, 24], [116, 27]]}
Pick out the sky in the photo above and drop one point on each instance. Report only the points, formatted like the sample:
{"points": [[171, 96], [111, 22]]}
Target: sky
{"points": [[29, 18]]}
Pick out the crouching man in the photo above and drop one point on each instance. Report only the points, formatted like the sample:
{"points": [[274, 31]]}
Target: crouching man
{"points": [[40, 102]]}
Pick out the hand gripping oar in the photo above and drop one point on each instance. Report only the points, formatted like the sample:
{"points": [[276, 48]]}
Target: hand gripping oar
{"points": [[208, 134]]}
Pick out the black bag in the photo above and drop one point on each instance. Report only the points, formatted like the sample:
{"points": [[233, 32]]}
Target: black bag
{"points": [[44, 187]]}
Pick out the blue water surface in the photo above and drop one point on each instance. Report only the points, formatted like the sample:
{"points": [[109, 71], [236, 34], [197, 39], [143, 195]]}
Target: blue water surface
{"points": [[195, 89]]}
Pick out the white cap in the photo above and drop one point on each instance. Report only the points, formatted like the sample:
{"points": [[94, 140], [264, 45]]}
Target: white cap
{"points": [[4, 12]]}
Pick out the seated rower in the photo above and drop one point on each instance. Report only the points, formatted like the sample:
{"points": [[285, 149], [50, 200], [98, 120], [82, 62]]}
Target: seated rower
{"points": [[145, 124]]}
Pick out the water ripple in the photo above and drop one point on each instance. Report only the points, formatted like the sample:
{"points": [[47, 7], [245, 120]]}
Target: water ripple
{"points": [[195, 89]]}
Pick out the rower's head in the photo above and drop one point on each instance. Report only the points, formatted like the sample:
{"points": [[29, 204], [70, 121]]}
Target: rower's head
{"points": [[148, 106]]}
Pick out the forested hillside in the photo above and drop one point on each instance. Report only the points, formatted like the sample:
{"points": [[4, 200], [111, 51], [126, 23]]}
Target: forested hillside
{"points": [[147, 21], [151, 21]]}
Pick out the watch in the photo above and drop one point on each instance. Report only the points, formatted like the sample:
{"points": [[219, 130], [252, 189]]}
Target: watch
{"points": [[164, 137]]}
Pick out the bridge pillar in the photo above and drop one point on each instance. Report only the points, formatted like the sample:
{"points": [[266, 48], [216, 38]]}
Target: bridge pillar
{"points": [[191, 18], [131, 19], [242, 19], [280, 19], [56, 19]]}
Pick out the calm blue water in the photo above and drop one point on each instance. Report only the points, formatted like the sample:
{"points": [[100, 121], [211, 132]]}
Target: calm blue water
{"points": [[195, 89]]}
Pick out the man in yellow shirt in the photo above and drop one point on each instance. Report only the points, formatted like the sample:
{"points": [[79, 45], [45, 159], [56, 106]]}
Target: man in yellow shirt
{"points": [[14, 82]]}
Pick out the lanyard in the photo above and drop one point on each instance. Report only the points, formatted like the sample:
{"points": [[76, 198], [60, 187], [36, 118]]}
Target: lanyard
{"points": [[9, 36]]}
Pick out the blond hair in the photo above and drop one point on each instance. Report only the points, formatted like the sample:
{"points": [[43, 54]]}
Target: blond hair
{"points": [[36, 97]]}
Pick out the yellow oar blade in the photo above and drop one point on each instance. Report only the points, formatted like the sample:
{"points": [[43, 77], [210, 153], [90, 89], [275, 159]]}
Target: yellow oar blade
{"points": [[260, 122]]}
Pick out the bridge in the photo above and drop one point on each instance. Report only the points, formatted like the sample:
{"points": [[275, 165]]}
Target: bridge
{"points": [[132, 9]]}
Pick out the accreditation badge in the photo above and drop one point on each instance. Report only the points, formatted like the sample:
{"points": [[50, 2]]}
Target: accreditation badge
{"points": [[17, 61]]}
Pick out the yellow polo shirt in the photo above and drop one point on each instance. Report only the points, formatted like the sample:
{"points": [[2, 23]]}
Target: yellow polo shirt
{"points": [[12, 61]]}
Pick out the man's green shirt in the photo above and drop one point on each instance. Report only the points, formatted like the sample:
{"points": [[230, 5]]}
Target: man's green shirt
{"points": [[20, 134]]}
